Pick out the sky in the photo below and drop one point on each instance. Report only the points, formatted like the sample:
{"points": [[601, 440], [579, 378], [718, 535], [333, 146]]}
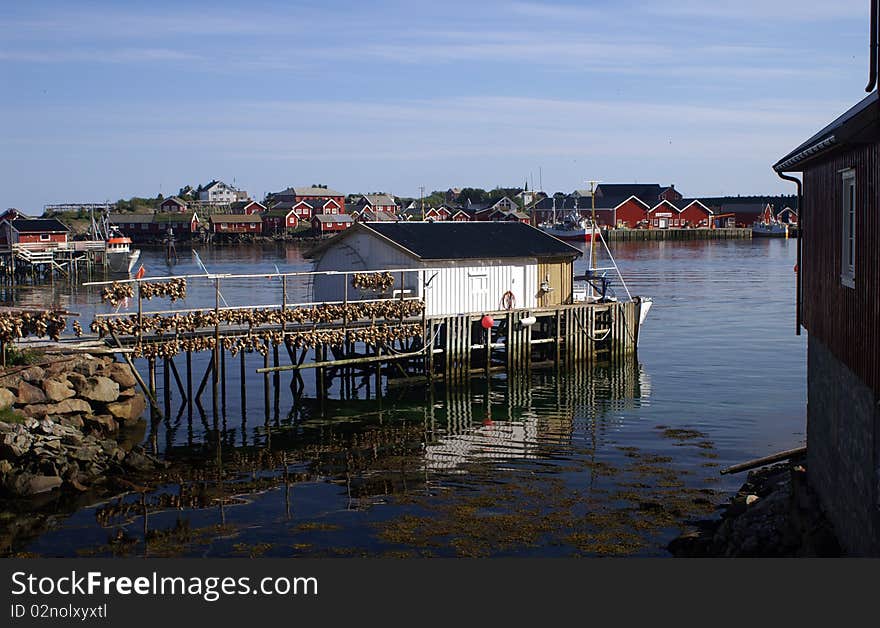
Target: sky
{"points": [[107, 100]]}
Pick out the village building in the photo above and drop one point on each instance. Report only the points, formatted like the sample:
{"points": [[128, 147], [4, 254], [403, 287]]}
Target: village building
{"points": [[470, 267], [280, 221], [838, 295], [377, 203], [323, 224], [312, 193], [219, 193], [173, 204], [231, 224], [144, 228], [33, 232], [694, 213], [787, 216], [664, 215], [246, 206]]}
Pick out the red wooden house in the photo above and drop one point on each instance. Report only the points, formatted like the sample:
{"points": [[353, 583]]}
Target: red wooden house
{"points": [[631, 212], [664, 215], [250, 224], [695, 214], [173, 204], [278, 221], [839, 304], [295, 195], [246, 207], [184, 225], [34, 231], [787, 216], [331, 223]]}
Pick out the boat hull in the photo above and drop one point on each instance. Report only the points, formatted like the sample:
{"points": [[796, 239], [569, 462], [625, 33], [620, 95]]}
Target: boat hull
{"points": [[570, 235], [769, 231], [122, 262]]}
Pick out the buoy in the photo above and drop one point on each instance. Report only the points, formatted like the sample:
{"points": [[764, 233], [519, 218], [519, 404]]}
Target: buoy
{"points": [[487, 322]]}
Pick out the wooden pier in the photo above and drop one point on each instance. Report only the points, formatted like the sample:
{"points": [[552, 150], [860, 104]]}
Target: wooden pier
{"points": [[645, 235], [349, 343]]}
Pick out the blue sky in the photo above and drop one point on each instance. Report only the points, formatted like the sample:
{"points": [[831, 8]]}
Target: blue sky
{"points": [[108, 100]]}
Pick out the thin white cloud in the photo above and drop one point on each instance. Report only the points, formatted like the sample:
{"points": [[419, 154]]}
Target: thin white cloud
{"points": [[124, 55], [754, 10]]}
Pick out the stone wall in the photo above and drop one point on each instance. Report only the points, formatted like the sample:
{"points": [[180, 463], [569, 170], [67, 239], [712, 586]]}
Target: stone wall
{"points": [[843, 449], [62, 424]]}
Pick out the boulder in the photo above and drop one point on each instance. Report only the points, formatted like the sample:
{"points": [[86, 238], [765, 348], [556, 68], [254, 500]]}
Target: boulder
{"points": [[28, 484], [11, 381], [58, 390], [99, 388], [128, 392], [121, 374], [70, 406], [36, 410], [86, 365], [33, 374], [128, 410], [7, 397], [76, 380], [28, 394], [104, 422], [70, 420]]}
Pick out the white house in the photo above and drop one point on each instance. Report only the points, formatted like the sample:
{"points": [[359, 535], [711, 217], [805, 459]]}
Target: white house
{"points": [[457, 267], [219, 192]]}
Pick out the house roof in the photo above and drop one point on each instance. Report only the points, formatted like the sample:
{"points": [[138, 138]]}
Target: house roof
{"points": [[242, 204], [181, 217], [449, 240], [379, 199], [859, 119], [38, 225], [277, 212], [174, 199], [236, 218], [313, 191], [743, 208], [131, 218], [332, 218]]}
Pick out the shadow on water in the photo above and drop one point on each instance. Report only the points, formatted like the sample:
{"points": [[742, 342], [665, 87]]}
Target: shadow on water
{"points": [[529, 465]]}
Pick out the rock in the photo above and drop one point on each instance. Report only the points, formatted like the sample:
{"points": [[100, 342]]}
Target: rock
{"points": [[36, 410], [71, 420], [138, 462], [7, 397], [86, 365], [127, 393], [121, 374], [76, 380], [28, 394], [5, 467], [14, 445], [11, 381], [58, 390], [103, 422], [99, 389], [751, 499], [70, 406], [36, 484], [33, 374], [86, 453], [128, 410]]}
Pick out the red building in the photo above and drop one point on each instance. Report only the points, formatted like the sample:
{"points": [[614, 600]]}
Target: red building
{"points": [[377, 203], [280, 221], [331, 223], [34, 231], [664, 215], [695, 214], [295, 195], [839, 304], [250, 224], [631, 213], [173, 204], [247, 207]]}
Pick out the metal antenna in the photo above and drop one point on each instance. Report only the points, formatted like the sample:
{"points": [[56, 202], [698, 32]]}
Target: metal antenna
{"points": [[874, 46]]}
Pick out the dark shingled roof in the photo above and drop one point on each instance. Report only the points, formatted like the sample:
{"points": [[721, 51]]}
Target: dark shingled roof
{"points": [[37, 225], [473, 240]]}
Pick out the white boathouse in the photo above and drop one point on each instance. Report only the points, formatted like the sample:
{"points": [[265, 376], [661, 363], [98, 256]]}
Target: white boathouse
{"points": [[455, 267]]}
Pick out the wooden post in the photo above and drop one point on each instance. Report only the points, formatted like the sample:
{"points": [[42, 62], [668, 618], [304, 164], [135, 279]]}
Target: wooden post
{"points": [[166, 377], [189, 383], [136, 375], [488, 353], [266, 385], [242, 381], [215, 376]]}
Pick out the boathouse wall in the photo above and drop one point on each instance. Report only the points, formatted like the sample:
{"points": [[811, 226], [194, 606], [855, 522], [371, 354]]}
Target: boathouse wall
{"points": [[452, 286]]}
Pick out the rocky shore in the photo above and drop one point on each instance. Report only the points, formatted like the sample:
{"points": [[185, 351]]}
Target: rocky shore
{"points": [[774, 514], [63, 425]]}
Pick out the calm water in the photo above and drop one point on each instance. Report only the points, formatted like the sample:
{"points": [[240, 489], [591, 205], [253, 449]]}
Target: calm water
{"points": [[597, 461]]}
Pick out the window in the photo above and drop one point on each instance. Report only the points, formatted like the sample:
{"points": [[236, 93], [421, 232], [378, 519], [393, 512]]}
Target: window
{"points": [[44, 237], [848, 233]]}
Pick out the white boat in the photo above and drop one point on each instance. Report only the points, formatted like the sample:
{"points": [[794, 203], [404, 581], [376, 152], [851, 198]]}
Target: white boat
{"points": [[572, 229], [769, 230], [120, 256]]}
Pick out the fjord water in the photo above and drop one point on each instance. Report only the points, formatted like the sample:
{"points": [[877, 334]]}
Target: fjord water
{"points": [[599, 461]]}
